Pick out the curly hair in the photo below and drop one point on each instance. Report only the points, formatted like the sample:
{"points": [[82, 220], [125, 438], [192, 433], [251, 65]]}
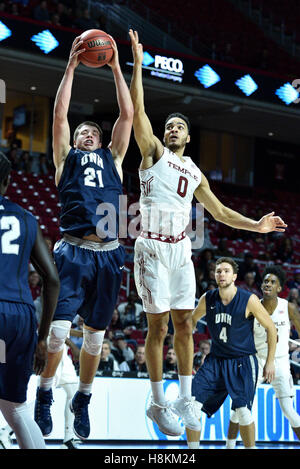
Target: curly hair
{"points": [[275, 270]]}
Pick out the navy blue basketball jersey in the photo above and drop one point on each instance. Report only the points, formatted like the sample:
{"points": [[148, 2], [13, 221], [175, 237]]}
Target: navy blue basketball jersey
{"points": [[89, 191], [18, 230], [230, 330]]}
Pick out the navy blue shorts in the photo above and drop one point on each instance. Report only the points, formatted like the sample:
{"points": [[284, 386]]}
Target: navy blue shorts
{"points": [[90, 281], [18, 339], [218, 377]]}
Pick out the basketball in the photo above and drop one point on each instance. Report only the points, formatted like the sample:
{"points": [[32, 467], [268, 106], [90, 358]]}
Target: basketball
{"points": [[98, 48]]}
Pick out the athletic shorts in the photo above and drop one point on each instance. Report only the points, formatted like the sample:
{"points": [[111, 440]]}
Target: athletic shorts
{"points": [[164, 275], [18, 340], [282, 384], [219, 377], [65, 373], [90, 278]]}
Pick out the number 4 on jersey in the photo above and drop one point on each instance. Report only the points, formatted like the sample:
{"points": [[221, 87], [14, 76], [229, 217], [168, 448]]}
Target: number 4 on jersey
{"points": [[223, 334]]}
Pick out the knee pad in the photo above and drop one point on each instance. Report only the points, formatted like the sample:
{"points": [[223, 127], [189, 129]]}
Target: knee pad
{"points": [[92, 341], [244, 415], [286, 404], [59, 331], [234, 417]]}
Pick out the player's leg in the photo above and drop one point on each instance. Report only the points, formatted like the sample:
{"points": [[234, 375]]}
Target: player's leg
{"points": [[184, 348], [69, 436], [233, 431], [59, 331], [285, 392], [241, 387], [247, 427], [101, 293], [159, 410], [19, 418], [286, 404]]}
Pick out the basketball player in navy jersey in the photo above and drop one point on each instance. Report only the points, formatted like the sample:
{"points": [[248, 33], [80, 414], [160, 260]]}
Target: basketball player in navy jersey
{"points": [[231, 367], [164, 271], [22, 349], [89, 258], [282, 313]]}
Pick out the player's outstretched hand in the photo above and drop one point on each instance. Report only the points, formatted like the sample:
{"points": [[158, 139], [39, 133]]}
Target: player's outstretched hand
{"points": [[137, 47], [40, 357], [269, 372], [269, 223], [114, 61], [76, 50]]}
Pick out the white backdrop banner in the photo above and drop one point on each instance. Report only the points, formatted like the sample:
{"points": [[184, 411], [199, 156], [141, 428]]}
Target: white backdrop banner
{"points": [[118, 412]]}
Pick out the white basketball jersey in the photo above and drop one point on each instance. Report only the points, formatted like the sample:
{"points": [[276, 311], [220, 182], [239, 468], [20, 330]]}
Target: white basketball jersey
{"points": [[167, 190], [281, 319]]}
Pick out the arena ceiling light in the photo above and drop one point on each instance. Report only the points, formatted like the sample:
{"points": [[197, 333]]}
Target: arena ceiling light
{"points": [[5, 32], [287, 93], [207, 76], [45, 41], [246, 84]]}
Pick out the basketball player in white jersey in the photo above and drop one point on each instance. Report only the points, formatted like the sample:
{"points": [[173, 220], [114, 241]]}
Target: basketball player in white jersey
{"points": [[282, 313], [164, 272]]}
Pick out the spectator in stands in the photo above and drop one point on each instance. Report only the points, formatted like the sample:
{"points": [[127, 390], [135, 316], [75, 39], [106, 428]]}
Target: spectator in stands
{"points": [[2, 7], [170, 361], [84, 21], [249, 284], [285, 251], [201, 284], [222, 250], [40, 12], [248, 265], [107, 361], [204, 347], [138, 363], [295, 283], [55, 19], [198, 361], [120, 349], [35, 285], [115, 325], [14, 156], [294, 296], [130, 311], [25, 162]]}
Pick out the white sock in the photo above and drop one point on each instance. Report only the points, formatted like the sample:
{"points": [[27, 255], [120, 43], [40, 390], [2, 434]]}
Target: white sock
{"points": [[185, 386], [230, 444], [158, 392], [193, 444], [19, 418], [85, 388], [46, 383]]}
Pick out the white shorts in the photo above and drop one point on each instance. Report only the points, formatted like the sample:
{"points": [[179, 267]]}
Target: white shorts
{"points": [[283, 384], [65, 373], [164, 275]]}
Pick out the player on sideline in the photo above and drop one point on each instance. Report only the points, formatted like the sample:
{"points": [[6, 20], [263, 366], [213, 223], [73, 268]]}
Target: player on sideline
{"points": [[89, 258], [21, 348], [164, 272], [231, 367], [281, 313]]}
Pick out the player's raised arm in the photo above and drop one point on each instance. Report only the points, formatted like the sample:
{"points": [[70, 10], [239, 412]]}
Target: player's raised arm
{"points": [[60, 127], [122, 128], [199, 311], [150, 146], [256, 308], [44, 265], [229, 217]]}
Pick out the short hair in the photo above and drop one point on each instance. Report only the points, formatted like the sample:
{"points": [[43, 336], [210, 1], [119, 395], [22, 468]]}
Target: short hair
{"points": [[275, 270], [5, 167], [228, 260], [91, 124], [181, 116]]}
